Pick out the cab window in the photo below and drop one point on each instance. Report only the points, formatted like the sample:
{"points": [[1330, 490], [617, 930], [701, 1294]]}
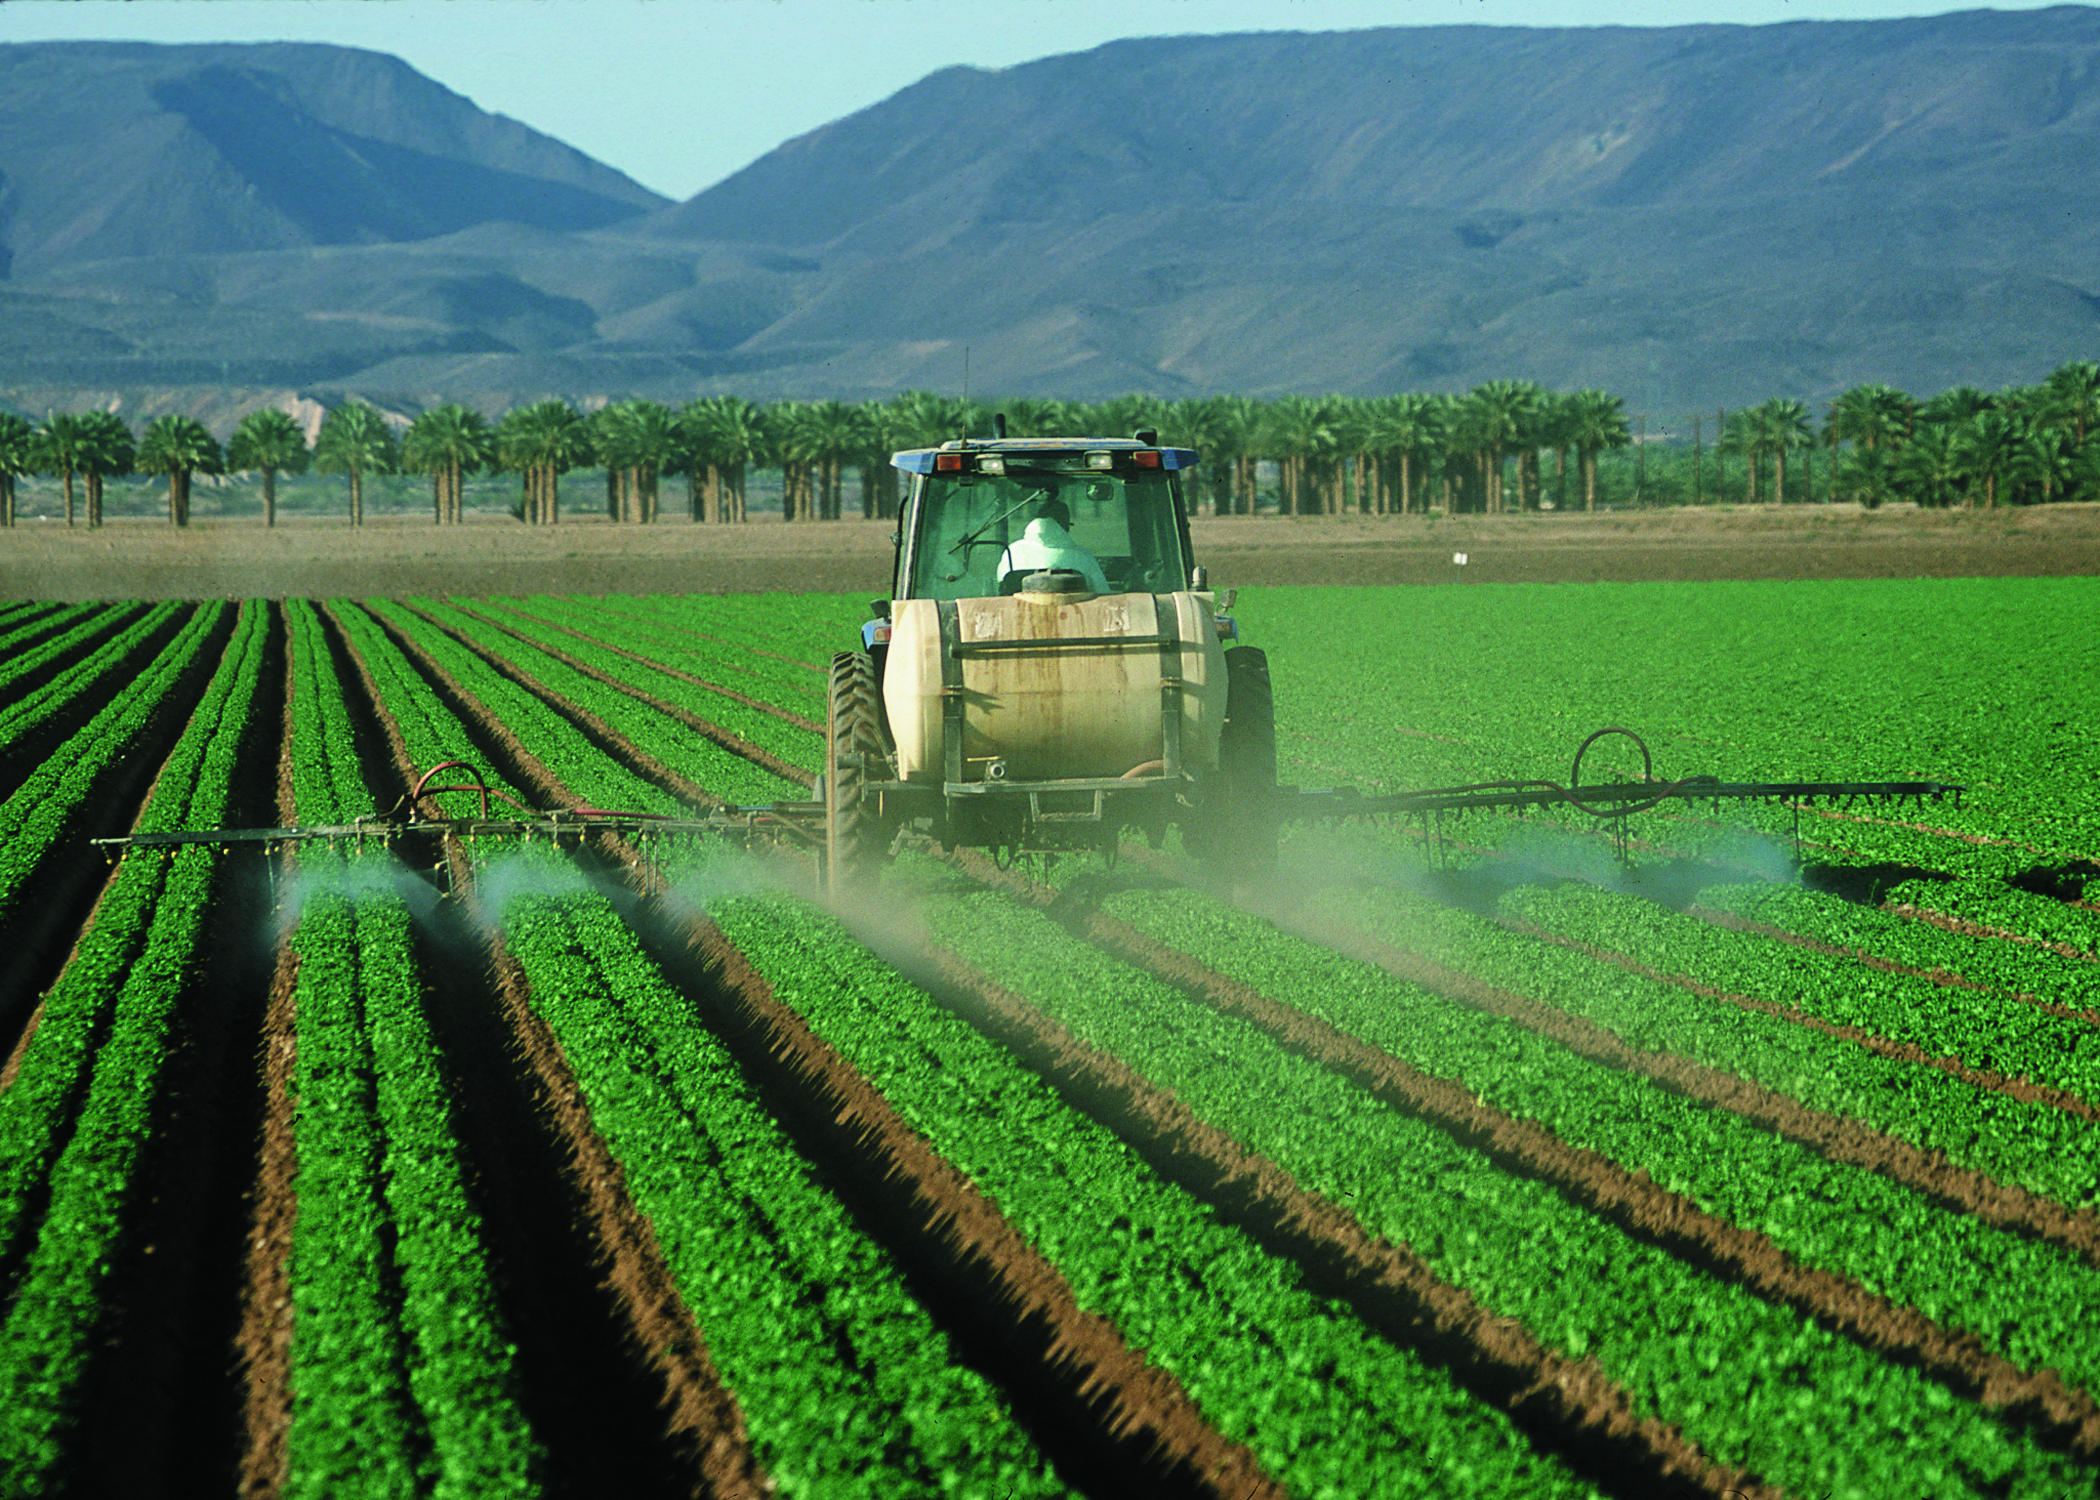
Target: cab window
{"points": [[966, 522]]}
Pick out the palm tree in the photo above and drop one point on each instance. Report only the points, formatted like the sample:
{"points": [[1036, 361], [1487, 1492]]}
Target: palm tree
{"points": [[1867, 475], [634, 440], [18, 456], [1989, 446], [1872, 416], [1744, 433], [60, 443], [1502, 418], [540, 443], [271, 441], [2071, 399], [1784, 426], [1596, 421], [355, 440], [722, 436], [448, 443], [1929, 466], [829, 435], [178, 446], [1955, 405], [2041, 462], [107, 450]]}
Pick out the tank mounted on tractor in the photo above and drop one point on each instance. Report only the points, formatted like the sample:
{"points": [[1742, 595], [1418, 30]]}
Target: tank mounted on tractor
{"points": [[1050, 669]]}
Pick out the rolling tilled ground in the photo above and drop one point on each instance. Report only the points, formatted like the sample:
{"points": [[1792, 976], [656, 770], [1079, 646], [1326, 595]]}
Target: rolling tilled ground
{"points": [[1005, 1181]]}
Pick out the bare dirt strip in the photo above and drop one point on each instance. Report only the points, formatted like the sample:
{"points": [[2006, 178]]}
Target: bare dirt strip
{"points": [[1946, 977], [2022, 1089], [786, 716], [1627, 1198]]}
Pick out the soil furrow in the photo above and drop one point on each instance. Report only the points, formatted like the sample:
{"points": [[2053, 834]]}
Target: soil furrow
{"points": [[1627, 1198], [728, 739], [787, 716], [2022, 1089], [20, 757], [264, 1343], [1114, 1423], [703, 1419], [701, 1416]]}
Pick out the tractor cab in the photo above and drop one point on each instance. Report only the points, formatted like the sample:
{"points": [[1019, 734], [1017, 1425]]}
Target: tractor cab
{"points": [[981, 516]]}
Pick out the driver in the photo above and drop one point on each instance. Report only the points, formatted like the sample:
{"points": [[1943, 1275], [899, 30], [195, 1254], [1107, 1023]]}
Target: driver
{"points": [[1047, 543]]}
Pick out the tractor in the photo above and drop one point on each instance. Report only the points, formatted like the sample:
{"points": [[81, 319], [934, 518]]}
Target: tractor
{"points": [[1050, 668]]}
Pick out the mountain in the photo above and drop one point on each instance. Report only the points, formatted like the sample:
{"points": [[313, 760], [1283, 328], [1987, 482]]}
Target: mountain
{"points": [[1691, 216], [116, 149]]}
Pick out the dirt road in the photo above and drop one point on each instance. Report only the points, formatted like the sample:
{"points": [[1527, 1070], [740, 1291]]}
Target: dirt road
{"points": [[493, 554]]}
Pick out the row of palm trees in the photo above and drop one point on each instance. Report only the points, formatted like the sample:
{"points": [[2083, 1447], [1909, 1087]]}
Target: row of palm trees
{"points": [[1964, 446], [1479, 451]]}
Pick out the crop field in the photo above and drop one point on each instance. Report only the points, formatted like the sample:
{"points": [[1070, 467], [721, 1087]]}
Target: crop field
{"points": [[1485, 1159]]}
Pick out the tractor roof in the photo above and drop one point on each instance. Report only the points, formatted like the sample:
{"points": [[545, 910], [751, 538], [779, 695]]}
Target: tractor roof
{"points": [[1121, 452]]}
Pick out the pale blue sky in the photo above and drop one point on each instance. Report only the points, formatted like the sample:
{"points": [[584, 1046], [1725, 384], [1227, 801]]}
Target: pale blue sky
{"points": [[680, 93]]}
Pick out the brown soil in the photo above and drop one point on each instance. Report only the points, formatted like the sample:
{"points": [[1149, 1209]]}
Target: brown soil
{"points": [[1628, 1198], [264, 1344], [493, 555], [1977, 929]]}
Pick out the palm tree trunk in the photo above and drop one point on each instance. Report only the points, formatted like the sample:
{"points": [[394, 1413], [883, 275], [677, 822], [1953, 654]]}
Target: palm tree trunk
{"points": [[1405, 478], [1589, 479], [269, 497], [69, 497], [94, 499], [357, 498], [1779, 476], [174, 497]]}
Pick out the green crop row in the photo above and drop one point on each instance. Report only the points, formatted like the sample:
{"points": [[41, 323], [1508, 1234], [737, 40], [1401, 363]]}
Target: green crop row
{"points": [[2034, 1146], [75, 1121], [685, 750], [844, 1383], [543, 730], [2022, 1298], [402, 1371], [1329, 1409], [84, 624], [825, 1353], [806, 627], [105, 662], [45, 814], [791, 743], [729, 652], [2011, 968], [1761, 1386], [1993, 904], [26, 626], [1981, 1029]]}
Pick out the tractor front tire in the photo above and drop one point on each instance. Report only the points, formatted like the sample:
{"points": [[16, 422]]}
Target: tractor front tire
{"points": [[1243, 822], [853, 841]]}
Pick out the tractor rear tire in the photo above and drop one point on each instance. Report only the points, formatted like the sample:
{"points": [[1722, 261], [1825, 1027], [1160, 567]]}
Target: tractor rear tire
{"points": [[854, 842], [1245, 823]]}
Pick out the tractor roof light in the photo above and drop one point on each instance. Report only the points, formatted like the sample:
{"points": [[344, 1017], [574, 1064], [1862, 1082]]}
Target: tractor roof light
{"points": [[947, 463], [1146, 458], [991, 463], [1100, 460]]}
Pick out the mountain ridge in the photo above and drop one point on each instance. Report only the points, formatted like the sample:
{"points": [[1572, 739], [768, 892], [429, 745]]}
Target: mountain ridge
{"points": [[1691, 216]]}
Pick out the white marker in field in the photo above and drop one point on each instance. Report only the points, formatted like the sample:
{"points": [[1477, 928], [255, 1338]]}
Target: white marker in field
{"points": [[1459, 558]]}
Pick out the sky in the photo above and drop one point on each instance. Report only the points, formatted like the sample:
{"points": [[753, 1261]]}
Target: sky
{"points": [[679, 94]]}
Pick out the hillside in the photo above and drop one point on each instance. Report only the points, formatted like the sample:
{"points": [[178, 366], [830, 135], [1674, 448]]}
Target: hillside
{"points": [[1691, 216]]}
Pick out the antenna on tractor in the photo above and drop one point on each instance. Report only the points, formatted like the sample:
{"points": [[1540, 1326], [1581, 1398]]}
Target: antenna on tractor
{"points": [[966, 395]]}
